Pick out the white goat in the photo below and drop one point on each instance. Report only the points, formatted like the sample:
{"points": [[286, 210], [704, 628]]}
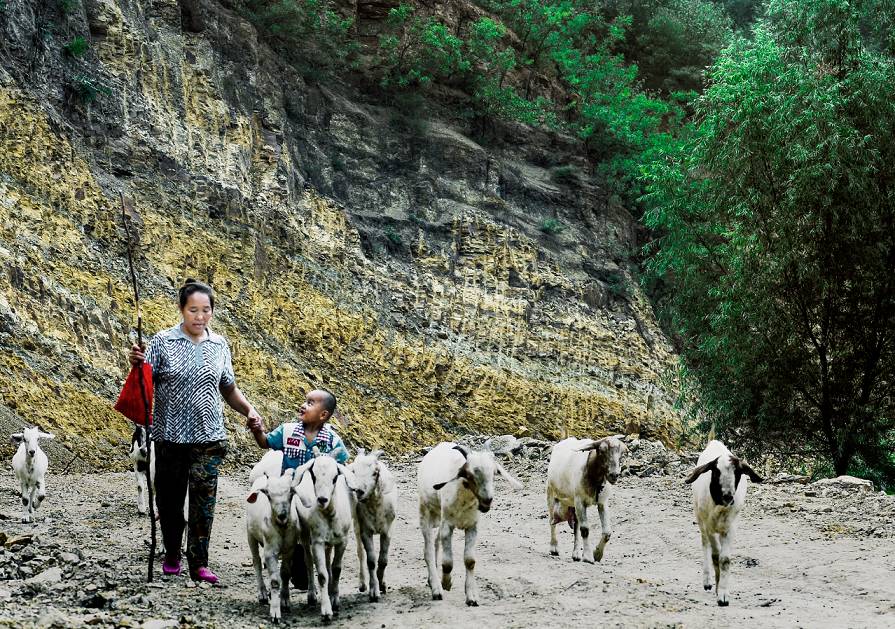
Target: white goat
{"points": [[455, 485], [30, 465], [272, 523], [140, 450], [376, 500], [324, 509], [581, 473], [717, 499]]}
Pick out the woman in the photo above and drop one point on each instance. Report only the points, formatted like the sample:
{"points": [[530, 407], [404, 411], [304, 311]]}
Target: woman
{"points": [[190, 365]]}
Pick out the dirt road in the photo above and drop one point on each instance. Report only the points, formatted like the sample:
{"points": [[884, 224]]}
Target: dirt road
{"points": [[800, 561]]}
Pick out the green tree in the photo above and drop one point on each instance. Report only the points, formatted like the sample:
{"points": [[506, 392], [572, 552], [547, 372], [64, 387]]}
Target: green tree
{"points": [[417, 50], [776, 220]]}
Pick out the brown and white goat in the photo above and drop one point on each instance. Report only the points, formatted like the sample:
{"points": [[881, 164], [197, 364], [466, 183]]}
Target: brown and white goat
{"points": [[580, 474], [719, 491]]}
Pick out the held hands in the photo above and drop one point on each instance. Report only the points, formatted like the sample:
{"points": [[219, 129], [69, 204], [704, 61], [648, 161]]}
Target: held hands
{"points": [[254, 422], [137, 355]]}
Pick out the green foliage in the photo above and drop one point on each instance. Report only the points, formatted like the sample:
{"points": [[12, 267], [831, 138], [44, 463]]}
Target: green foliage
{"points": [[552, 226], [671, 41], [67, 7], [310, 33], [567, 174], [89, 88], [393, 236], [777, 224], [77, 46], [417, 51]]}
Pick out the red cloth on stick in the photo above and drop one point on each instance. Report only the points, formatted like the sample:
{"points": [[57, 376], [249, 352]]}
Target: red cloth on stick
{"points": [[130, 400]]}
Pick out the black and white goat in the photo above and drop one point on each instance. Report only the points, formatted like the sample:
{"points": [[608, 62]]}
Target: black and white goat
{"points": [[719, 491], [139, 454], [581, 473], [30, 465], [455, 486]]}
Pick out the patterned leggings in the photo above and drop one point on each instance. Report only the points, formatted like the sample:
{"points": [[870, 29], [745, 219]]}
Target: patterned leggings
{"points": [[178, 466]]}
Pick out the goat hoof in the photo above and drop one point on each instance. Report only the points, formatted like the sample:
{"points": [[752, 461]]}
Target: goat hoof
{"points": [[574, 558], [555, 553], [723, 603], [362, 587], [312, 601], [472, 603], [707, 587], [588, 559], [437, 596], [326, 618], [374, 598]]}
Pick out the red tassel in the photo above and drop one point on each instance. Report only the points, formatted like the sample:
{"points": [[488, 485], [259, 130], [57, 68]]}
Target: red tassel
{"points": [[130, 400]]}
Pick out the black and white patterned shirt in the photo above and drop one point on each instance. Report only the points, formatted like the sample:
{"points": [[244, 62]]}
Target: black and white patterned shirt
{"points": [[187, 377]]}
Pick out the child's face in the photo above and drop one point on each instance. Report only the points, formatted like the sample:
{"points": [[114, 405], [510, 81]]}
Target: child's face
{"points": [[312, 411]]}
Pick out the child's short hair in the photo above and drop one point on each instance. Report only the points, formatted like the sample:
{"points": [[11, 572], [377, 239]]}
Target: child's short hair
{"points": [[329, 402]]}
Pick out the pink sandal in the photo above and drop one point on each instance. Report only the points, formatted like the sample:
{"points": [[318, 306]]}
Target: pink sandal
{"points": [[171, 568], [204, 574]]}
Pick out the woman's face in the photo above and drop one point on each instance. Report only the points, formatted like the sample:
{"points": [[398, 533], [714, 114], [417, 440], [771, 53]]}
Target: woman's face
{"points": [[197, 313]]}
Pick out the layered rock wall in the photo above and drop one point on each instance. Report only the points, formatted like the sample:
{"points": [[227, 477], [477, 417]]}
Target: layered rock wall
{"points": [[402, 265]]}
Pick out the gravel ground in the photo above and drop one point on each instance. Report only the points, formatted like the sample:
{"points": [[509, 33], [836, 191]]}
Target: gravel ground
{"points": [[805, 556]]}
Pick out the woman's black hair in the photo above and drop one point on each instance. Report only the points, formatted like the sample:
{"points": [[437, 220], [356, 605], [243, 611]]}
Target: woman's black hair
{"points": [[192, 286]]}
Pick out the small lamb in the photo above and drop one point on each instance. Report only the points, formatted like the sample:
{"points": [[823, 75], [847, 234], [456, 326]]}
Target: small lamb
{"points": [[272, 523], [581, 473], [717, 500], [376, 499], [30, 465], [455, 485], [324, 509]]}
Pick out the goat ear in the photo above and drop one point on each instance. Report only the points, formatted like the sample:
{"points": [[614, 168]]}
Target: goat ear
{"points": [[253, 497], [17, 437], [438, 486], [515, 484], [601, 444], [462, 450], [360, 452], [702, 469], [350, 479], [746, 469], [376, 454], [299, 472], [46, 435]]}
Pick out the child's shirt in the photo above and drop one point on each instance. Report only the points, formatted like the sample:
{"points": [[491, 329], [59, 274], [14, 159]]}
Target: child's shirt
{"points": [[297, 450]]}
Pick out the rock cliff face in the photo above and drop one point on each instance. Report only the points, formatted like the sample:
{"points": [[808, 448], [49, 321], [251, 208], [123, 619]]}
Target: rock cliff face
{"points": [[436, 285]]}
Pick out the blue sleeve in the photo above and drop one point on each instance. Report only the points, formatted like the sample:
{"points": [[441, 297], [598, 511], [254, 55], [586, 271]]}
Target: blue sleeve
{"points": [[339, 451], [275, 438]]}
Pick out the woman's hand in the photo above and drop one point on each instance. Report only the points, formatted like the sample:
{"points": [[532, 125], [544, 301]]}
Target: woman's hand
{"points": [[254, 422], [137, 355]]}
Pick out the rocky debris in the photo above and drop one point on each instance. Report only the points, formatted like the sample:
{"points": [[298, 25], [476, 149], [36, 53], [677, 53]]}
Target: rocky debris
{"points": [[503, 445], [157, 623], [782, 478], [842, 485], [651, 458], [47, 577]]}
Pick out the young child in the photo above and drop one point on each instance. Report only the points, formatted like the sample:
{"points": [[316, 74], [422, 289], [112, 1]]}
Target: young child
{"points": [[297, 441]]}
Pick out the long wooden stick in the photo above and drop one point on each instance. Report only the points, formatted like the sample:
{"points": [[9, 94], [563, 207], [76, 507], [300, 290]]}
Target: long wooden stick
{"points": [[139, 368]]}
